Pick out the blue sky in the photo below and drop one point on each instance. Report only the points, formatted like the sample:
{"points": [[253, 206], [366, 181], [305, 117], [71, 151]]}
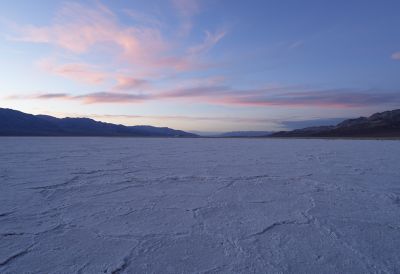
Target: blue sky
{"points": [[201, 65]]}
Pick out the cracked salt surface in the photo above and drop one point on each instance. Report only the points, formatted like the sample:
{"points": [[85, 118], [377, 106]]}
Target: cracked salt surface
{"points": [[99, 205]]}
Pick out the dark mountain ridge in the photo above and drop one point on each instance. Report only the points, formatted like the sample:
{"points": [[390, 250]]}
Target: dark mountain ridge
{"points": [[16, 123], [381, 125]]}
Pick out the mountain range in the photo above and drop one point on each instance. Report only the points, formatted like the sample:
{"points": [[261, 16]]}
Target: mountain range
{"points": [[16, 123], [381, 125]]}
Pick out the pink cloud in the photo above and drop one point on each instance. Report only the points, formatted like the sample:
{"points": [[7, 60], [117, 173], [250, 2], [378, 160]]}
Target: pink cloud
{"points": [[222, 95], [138, 49], [93, 75], [43, 96], [396, 56], [129, 83], [89, 98], [79, 29], [76, 71], [110, 97], [335, 98]]}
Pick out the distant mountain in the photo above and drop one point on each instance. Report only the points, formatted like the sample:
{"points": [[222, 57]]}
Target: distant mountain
{"points": [[16, 123], [161, 131], [239, 134], [292, 125], [384, 124]]}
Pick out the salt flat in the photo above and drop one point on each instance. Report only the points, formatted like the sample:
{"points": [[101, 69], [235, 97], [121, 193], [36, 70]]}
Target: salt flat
{"points": [[114, 205]]}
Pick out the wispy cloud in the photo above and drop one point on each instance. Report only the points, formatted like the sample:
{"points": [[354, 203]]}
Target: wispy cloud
{"points": [[334, 98], [143, 18], [286, 96], [109, 97], [129, 83], [224, 95], [138, 53], [51, 96], [43, 96], [396, 56], [211, 39], [187, 7], [296, 44], [76, 71], [186, 10], [89, 98], [79, 29], [132, 49]]}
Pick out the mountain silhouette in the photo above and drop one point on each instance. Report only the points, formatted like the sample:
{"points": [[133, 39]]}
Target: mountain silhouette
{"points": [[16, 123], [383, 124]]}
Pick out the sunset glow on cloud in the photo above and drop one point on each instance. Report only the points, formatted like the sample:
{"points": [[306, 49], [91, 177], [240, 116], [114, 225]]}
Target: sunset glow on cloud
{"points": [[396, 55], [199, 58]]}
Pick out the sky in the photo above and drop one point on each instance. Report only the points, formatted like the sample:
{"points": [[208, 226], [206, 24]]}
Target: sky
{"points": [[201, 65]]}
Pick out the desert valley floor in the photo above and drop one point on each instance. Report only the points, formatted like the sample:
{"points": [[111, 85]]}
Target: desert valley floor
{"points": [[132, 205]]}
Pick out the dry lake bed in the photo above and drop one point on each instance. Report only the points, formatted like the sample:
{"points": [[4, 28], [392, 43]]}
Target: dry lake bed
{"points": [[133, 205]]}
